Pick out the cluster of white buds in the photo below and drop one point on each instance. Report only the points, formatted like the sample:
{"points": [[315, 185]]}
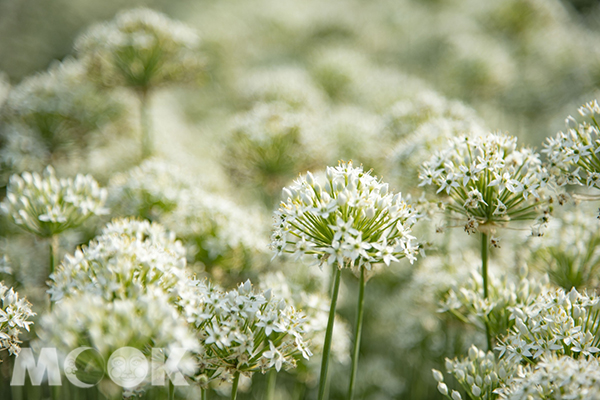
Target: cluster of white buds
{"points": [[468, 303], [46, 205], [479, 374], [141, 49], [14, 316], [244, 331], [576, 151], [490, 182], [348, 219], [128, 259], [557, 322], [558, 378]]}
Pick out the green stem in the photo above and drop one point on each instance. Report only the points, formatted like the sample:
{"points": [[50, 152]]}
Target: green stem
{"points": [[234, 388], [145, 124], [53, 250], [485, 246], [171, 390], [357, 333], [203, 393], [271, 382], [329, 334]]}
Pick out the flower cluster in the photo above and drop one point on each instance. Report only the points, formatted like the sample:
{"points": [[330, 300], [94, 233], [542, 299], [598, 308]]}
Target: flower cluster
{"points": [[149, 190], [244, 331], [558, 323], [140, 49], [14, 316], [128, 259], [576, 150], [467, 302], [570, 251], [144, 321], [214, 229], [59, 108], [315, 307], [479, 374], [268, 145], [490, 182], [46, 205], [555, 378], [348, 219]]}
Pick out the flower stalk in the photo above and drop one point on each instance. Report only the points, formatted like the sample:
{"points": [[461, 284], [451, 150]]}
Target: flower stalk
{"points": [[328, 335], [234, 388], [357, 333]]}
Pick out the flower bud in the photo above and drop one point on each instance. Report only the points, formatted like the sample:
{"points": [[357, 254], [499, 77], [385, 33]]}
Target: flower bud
{"points": [[443, 389]]}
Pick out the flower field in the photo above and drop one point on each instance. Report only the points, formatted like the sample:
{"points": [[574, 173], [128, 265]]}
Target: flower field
{"points": [[300, 200]]}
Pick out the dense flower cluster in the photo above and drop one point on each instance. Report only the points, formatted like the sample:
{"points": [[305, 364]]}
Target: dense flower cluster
{"points": [[479, 374], [576, 150], [315, 307], [244, 331], [348, 219], [467, 302], [46, 205], [570, 251], [57, 108], [557, 322], [144, 321], [128, 259], [212, 227], [14, 316], [141, 48], [556, 378], [490, 182]]}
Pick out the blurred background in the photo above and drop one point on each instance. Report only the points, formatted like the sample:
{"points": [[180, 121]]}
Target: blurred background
{"points": [[286, 86]]}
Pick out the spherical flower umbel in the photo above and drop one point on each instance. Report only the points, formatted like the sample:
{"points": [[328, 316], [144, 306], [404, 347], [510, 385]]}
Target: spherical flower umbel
{"points": [[490, 182], [575, 151], [128, 259], [557, 322], [244, 331], [479, 374], [348, 219], [14, 316], [142, 49], [46, 205], [555, 378]]}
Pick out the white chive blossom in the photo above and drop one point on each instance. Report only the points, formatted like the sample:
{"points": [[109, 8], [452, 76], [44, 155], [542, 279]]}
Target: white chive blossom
{"points": [[348, 219]]}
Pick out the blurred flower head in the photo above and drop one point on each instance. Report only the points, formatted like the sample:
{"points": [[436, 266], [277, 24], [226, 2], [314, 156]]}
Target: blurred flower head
{"points": [[141, 49]]}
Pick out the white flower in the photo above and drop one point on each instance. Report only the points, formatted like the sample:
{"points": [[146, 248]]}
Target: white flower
{"points": [[367, 224], [45, 205], [14, 317]]}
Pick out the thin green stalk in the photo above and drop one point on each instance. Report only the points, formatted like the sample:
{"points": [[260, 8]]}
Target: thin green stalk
{"points": [[357, 333], [203, 393], [485, 246], [328, 335], [171, 390], [234, 388], [271, 383], [53, 250], [145, 124]]}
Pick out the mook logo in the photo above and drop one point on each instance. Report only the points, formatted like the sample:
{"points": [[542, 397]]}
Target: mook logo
{"points": [[85, 367]]}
